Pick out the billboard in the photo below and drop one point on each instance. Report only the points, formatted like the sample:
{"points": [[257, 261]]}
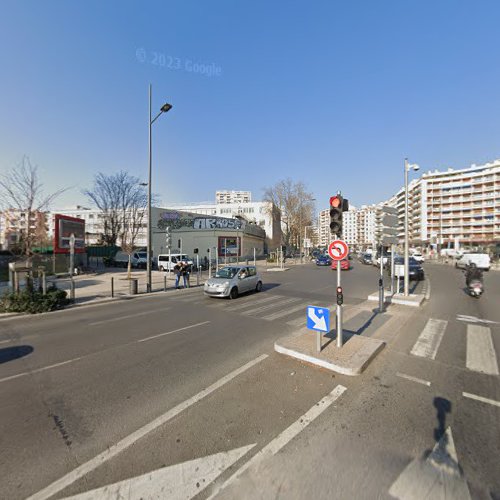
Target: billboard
{"points": [[64, 227]]}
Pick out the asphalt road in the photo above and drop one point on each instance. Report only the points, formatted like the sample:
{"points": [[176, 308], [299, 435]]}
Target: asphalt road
{"points": [[102, 394]]}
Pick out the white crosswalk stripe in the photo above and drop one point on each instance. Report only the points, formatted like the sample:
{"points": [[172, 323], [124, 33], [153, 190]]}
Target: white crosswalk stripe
{"points": [[270, 306], [249, 303], [286, 312], [429, 340], [481, 356]]}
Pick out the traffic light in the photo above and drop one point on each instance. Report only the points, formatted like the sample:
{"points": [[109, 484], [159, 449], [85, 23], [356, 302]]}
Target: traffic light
{"points": [[336, 215], [340, 296], [195, 250]]}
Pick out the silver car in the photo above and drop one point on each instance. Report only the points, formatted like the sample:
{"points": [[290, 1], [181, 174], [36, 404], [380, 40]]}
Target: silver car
{"points": [[230, 281]]}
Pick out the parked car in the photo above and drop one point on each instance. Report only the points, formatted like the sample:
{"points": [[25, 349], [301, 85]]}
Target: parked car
{"points": [[137, 259], [481, 260], [418, 257], [345, 265], [416, 272], [323, 260], [231, 281]]}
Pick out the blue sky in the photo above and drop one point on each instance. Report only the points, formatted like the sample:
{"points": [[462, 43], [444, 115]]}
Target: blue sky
{"points": [[332, 93]]}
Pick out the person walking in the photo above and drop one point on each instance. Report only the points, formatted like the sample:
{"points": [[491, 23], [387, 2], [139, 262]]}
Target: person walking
{"points": [[185, 272], [177, 272]]}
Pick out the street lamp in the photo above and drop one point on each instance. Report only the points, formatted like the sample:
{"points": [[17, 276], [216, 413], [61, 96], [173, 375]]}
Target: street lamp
{"points": [[300, 225], [164, 109], [415, 167]]}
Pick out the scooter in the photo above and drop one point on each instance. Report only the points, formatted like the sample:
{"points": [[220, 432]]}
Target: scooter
{"points": [[475, 288]]}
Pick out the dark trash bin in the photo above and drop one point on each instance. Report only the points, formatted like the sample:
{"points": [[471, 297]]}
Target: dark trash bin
{"points": [[133, 286]]}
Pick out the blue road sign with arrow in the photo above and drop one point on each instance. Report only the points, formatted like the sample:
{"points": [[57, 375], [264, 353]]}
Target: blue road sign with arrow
{"points": [[318, 318]]}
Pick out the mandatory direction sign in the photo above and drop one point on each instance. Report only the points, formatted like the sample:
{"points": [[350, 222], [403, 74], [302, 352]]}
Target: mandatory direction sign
{"points": [[338, 250], [318, 318]]}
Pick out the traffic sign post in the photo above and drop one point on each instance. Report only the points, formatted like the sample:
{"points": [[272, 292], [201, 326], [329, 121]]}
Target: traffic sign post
{"points": [[318, 319], [338, 251]]}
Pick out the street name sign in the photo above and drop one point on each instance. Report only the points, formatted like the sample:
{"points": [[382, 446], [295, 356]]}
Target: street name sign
{"points": [[338, 250], [318, 318]]}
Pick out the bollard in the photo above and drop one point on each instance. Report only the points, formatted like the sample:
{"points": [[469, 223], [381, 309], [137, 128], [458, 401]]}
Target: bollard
{"points": [[164, 283], [112, 286], [72, 290], [133, 286], [44, 283]]}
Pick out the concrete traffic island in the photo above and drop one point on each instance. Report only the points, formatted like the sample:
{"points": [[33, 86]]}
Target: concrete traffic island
{"points": [[412, 300], [351, 359]]}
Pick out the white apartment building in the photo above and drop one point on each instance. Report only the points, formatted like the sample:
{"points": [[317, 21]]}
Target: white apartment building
{"points": [[453, 208], [233, 197], [358, 226]]}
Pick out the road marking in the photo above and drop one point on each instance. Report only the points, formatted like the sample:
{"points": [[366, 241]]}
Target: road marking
{"points": [[5, 341], [129, 440], [173, 331], [474, 319], [414, 379], [286, 312], [429, 340], [285, 437], [250, 302], [270, 306], [480, 398], [178, 482], [128, 316], [428, 291], [481, 355], [38, 370]]}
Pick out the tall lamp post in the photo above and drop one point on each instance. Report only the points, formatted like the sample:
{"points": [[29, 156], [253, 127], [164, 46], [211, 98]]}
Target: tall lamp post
{"points": [[408, 166], [300, 225], [164, 109]]}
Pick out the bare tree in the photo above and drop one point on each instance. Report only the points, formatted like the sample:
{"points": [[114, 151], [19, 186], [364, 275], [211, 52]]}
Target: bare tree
{"points": [[296, 205], [22, 191], [123, 202]]}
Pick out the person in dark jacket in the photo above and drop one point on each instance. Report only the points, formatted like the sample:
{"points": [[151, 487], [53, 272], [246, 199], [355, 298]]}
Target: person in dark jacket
{"points": [[177, 272], [472, 273]]}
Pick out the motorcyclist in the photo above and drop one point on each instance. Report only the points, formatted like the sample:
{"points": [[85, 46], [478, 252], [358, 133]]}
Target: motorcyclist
{"points": [[472, 273]]}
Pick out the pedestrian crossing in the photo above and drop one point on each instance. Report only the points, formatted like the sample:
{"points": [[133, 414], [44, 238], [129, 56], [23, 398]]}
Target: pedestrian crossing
{"points": [[480, 354], [265, 306]]}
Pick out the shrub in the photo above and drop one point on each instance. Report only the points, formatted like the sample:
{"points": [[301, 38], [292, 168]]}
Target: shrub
{"points": [[33, 301]]}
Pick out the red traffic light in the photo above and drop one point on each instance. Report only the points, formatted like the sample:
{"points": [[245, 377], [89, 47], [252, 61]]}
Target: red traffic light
{"points": [[339, 290], [335, 201]]}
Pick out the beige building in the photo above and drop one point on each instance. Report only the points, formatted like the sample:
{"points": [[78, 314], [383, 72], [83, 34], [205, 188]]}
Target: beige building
{"points": [[233, 197], [16, 225]]}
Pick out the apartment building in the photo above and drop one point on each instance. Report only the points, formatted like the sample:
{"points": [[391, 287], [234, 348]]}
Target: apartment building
{"points": [[358, 224], [16, 224], [452, 208], [225, 197]]}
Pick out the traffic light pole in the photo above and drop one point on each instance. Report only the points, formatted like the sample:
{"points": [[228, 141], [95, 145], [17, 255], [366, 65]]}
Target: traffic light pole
{"points": [[381, 282], [339, 308]]}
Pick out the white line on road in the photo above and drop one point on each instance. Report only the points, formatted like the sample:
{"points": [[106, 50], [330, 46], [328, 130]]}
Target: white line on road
{"points": [[286, 436], [129, 440], [413, 379], [128, 316], [38, 370], [428, 292], [481, 355], [286, 312], [173, 331], [5, 341], [250, 302], [480, 398], [270, 306], [474, 319], [429, 340]]}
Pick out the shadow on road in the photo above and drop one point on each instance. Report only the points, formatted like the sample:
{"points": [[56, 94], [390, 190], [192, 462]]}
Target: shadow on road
{"points": [[11, 353]]}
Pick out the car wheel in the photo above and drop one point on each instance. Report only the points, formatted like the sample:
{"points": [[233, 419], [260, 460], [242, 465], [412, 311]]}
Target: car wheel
{"points": [[233, 294], [258, 288]]}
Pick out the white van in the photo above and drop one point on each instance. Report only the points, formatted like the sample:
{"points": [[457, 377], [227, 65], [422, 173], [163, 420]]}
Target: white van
{"points": [[482, 261], [167, 262], [137, 259]]}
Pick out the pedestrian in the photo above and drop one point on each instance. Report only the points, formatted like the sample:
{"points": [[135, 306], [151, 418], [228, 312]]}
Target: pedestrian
{"points": [[185, 272], [177, 272]]}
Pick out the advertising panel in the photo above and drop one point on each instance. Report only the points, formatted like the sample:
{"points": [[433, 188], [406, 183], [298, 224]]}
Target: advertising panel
{"points": [[65, 226], [229, 246]]}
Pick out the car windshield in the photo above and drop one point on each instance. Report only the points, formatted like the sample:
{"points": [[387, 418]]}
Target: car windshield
{"points": [[227, 272], [142, 255]]}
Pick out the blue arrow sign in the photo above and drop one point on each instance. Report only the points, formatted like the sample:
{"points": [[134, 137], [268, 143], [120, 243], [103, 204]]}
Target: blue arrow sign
{"points": [[318, 318]]}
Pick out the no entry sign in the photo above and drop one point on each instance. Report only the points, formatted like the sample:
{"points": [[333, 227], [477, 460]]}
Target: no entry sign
{"points": [[338, 250]]}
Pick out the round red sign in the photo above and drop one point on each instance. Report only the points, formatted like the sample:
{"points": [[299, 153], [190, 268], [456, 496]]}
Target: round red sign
{"points": [[338, 250]]}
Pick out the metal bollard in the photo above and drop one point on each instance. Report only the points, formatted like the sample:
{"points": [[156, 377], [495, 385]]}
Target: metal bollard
{"points": [[164, 283], [72, 290], [133, 286], [112, 286]]}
